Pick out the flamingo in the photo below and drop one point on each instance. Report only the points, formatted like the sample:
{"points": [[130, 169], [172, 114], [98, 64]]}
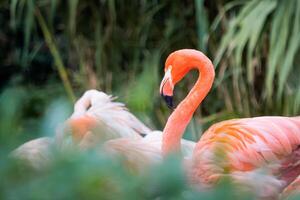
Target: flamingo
{"points": [[98, 119], [244, 145], [94, 109], [103, 119]]}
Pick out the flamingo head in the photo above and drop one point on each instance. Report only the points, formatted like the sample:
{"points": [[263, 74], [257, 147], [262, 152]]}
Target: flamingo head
{"points": [[177, 65]]}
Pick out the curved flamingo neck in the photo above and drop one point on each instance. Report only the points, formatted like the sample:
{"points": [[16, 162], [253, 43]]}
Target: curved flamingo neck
{"points": [[181, 116]]}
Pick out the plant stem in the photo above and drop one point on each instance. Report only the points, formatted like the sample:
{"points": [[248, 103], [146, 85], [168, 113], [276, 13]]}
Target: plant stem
{"points": [[57, 59]]}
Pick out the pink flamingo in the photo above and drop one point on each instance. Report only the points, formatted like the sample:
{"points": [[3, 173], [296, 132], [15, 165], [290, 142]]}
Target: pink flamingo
{"points": [[245, 144]]}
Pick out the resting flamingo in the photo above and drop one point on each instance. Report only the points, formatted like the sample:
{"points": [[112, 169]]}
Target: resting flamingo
{"points": [[98, 119], [245, 144], [94, 109]]}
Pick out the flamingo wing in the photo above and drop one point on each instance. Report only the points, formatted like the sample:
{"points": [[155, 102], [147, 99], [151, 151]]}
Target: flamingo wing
{"points": [[245, 145]]}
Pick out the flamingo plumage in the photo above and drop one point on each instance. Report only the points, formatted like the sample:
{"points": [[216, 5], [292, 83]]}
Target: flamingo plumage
{"points": [[245, 144], [292, 189]]}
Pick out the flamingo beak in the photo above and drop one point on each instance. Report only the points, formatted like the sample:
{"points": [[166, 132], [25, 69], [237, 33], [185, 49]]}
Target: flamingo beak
{"points": [[166, 89]]}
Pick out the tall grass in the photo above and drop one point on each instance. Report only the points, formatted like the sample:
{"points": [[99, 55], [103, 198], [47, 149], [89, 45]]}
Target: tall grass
{"points": [[103, 44], [257, 53], [120, 48]]}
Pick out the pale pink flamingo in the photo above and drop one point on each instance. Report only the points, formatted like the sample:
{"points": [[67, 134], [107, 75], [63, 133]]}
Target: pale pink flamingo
{"points": [[93, 110], [244, 144], [98, 119]]}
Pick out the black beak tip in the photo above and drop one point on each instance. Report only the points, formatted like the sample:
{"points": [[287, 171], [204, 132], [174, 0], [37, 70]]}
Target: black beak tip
{"points": [[168, 100]]}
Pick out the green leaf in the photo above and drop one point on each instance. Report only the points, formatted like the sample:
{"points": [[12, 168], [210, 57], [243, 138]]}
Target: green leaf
{"points": [[29, 22], [13, 9], [202, 25], [260, 18], [278, 41], [72, 15], [292, 48]]}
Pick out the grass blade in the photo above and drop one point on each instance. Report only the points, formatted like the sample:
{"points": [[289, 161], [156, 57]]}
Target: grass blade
{"points": [[292, 48], [57, 59], [202, 25]]}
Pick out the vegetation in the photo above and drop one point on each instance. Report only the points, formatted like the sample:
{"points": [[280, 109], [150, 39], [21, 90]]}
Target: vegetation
{"points": [[51, 51]]}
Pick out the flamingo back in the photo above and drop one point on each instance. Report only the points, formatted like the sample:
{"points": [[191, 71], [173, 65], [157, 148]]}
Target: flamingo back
{"points": [[35, 153], [245, 145]]}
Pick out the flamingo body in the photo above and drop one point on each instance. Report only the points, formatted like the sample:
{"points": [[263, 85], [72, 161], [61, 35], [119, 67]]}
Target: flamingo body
{"points": [[247, 144], [236, 148]]}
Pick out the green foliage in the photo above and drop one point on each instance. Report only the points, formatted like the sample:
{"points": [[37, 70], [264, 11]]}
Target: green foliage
{"points": [[258, 54], [92, 175], [102, 44]]}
